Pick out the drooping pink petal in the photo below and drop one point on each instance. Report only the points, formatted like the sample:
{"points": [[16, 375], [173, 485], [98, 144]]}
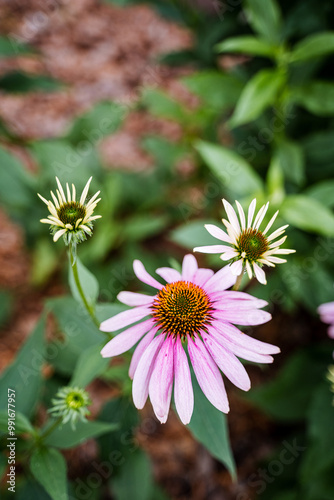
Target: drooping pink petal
{"points": [[244, 317], [208, 375], [201, 276], [227, 362], [212, 249], [161, 381], [260, 274], [218, 233], [189, 267], [144, 276], [127, 339], [135, 299], [143, 372], [125, 318], [234, 335], [183, 389], [140, 349], [168, 274], [220, 281]]}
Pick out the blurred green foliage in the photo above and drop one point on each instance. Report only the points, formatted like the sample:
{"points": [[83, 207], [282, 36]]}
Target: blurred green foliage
{"points": [[263, 128]]}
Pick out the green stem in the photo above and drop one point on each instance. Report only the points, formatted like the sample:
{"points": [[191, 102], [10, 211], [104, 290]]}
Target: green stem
{"points": [[89, 308], [238, 282], [51, 428]]}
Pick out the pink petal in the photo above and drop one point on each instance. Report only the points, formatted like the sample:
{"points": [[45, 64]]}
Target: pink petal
{"points": [[208, 375], [135, 299], [218, 233], [244, 317], [238, 304], [161, 381], [168, 274], [220, 281], [144, 276], [183, 389], [234, 335], [260, 274], [141, 347], [201, 276], [125, 318], [143, 372], [331, 332], [125, 340], [189, 267], [228, 363], [212, 249], [236, 295]]}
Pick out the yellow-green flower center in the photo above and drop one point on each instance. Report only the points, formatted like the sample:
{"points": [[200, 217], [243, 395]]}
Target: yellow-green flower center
{"points": [[182, 309], [252, 244], [70, 212], [75, 400]]}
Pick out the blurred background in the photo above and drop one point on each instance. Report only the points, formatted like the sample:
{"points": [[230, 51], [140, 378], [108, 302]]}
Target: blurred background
{"points": [[169, 110]]}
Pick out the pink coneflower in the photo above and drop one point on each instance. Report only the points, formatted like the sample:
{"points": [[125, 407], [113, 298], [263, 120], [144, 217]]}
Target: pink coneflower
{"points": [[326, 312], [248, 248], [194, 311]]}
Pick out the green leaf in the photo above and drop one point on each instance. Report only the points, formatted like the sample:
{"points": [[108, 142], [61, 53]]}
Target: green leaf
{"points": [[275, 182], [317, 97], [16, 184], [19, 82], [88, 283], [24, 374], [218, 90], [288, 396], [259, 93], [65, 437], [138, 467], [322, 192], [291, 158], [139, 226], [318, 45], [45, 260], [22, 424], [265, 18], [160, 104], [193, 234], [209, 427], [104, 119], [233, 171], [11, 47], [308, 214], [247, 44], [48, 466], [89, 366]]}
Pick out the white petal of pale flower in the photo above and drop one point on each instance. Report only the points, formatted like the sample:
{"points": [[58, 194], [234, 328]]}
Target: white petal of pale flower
{"points": [[60, 187], [270, 223], [260, 216], [277, 233], [233, 218], [85, 191], [241, 215], [55, 201], [59, 234], [236, 268], [249, 270], [251, 211], [73, 192], [260, 274], [68, 193], [43, 199]]}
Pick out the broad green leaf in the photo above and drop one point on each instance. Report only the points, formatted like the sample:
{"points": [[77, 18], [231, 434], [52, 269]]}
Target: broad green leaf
{"points": [[88, 283], [138, 468], [45, 260], [89, 366], [265, 18], [65, 437], [139, 226], [247, 44], [317, 97], [233, 171], [218, 90], [48, 466], [193, 234], [322, 192], [259, 93], [22, 424], [24, 374], [308, 214], [11, 47], [209, 427], [318, 45], [16, 185], [19, 82], [275, 182], [90, 128], [160, 104], [291, 158], [288, 396]]}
